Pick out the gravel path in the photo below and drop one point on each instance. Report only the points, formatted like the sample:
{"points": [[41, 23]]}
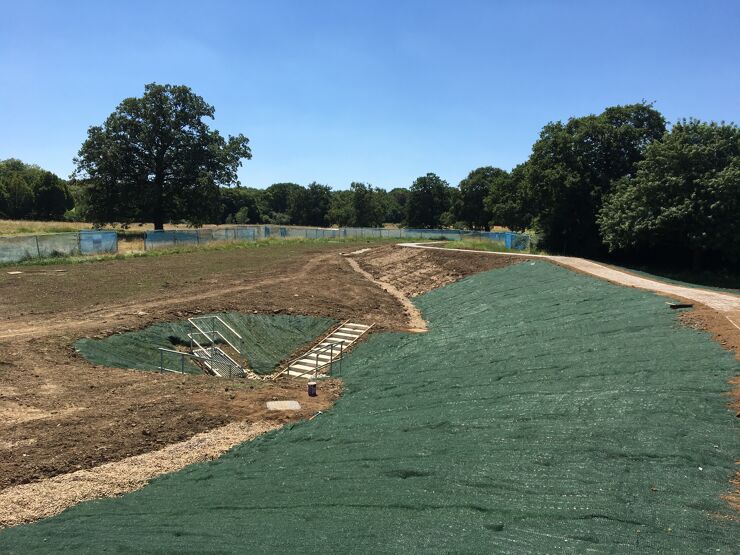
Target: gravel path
{"points": [[726, 303]]}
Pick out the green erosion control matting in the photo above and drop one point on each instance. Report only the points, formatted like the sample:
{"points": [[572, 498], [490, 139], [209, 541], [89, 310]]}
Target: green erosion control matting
{"points": [[545, 411], [266, 340]]}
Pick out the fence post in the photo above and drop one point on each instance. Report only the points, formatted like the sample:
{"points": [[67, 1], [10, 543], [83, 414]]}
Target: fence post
{"points": [[38, 249]]}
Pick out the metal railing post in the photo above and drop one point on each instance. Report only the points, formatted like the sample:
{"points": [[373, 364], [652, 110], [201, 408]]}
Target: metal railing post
{"points": [[161, 361]]}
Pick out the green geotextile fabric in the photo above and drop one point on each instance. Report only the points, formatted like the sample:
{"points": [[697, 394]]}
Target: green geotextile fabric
{"points": [[266, 340], [545, 411]]}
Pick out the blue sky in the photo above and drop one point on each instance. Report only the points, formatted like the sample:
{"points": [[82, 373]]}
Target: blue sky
{"points": [[373, 91]]}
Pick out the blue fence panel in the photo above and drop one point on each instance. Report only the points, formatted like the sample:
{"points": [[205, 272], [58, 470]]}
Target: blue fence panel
{"points": [[15, 249], [98, 242], [245, 234], [520, 242], [159, 239], [205, 236], [186, 237], [58, 244]]}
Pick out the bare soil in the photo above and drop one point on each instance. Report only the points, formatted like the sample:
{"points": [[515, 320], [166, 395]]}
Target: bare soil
{"points": [[61, 414], [417, 271]]}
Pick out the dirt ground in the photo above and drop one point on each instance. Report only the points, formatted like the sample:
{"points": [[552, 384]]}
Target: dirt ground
{"points": [[60, 414], [419, 271]]}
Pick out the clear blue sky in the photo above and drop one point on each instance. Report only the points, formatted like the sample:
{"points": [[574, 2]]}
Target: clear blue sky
{"points": [[372, 91]]}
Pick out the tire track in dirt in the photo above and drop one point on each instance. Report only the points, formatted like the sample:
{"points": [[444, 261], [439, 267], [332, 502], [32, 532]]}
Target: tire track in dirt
{"points": [[92, 318], [416, 322]]}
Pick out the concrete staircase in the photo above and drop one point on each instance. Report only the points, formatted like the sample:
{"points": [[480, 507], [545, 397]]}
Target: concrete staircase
{"points": [[321, 358]]}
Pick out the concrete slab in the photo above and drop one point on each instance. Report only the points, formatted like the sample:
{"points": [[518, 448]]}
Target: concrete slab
{"points": [[283, 405]]}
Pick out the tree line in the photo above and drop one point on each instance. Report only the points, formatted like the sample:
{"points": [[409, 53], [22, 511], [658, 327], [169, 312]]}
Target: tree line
{"points": [[618, 183]]}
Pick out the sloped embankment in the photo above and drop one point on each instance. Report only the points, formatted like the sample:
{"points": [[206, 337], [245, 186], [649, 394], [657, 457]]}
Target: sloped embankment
{"points": [[266, 340], [543, 411]]}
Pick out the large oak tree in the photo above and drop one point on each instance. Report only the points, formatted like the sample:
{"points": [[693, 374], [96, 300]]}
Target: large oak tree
{"points": [[155, 159]]}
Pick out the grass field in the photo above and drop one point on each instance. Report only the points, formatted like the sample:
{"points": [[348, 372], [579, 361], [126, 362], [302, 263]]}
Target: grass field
{"points": [[351, 242], [21, 227], [544, 411]]}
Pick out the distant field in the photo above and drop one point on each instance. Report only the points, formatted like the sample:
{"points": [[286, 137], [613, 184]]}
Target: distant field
{"points": [[19, 227]]}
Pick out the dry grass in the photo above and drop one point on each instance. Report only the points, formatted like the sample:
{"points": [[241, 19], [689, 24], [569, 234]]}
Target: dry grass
{"points": [[20, 227]]}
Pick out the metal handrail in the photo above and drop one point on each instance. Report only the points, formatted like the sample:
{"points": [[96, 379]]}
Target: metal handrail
{"points": [[215, 332], [162, 368], [227, 326], [296, 359]]}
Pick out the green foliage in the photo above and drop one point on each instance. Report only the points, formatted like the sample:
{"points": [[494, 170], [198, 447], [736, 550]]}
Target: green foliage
{"points": [[278, 197], [395, 205], [19, 195], [310, 206], [3, 200], [154, 159], [474, 189], [573, 166], [685, 195], [29, 192], [341, 212], [367, 207], [428, 199], [242, 216], [247, 201], [51, 198], [508, 202]]}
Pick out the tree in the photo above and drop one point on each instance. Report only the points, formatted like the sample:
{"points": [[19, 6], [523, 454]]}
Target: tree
{"points": [[248, 201], [395, 208], [367, 208], [51, 197], [429, 198], [154, 159], [341, 212], [3, 200], [310, 206], [278, 197], [573, 166], [472, 209], [684, 197], [507, 200], [19, 195]]}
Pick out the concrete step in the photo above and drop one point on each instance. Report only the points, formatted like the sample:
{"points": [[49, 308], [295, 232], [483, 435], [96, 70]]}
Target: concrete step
{"points": [[350, 329], [313, 356], [296, 374], [331, 339], [311, 362], [326, 352], [308, 367], [345, 334]]}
